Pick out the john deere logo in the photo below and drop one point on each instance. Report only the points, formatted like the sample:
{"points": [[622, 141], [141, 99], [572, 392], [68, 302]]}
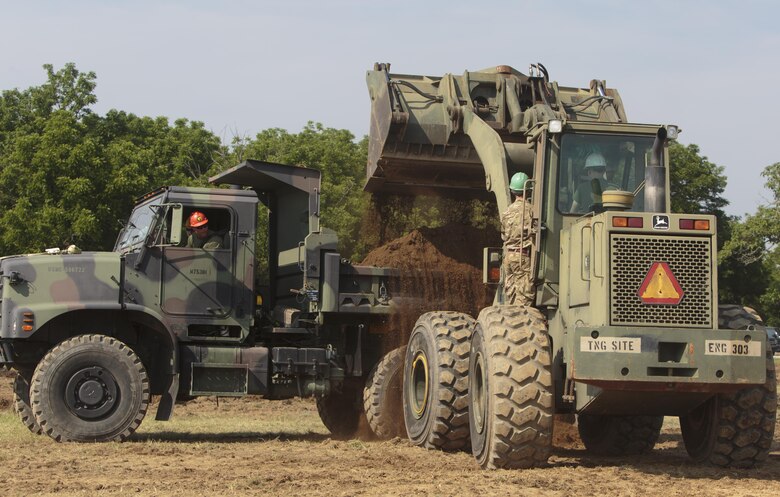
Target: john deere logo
{"points": [[660, 222], [660, 286]]}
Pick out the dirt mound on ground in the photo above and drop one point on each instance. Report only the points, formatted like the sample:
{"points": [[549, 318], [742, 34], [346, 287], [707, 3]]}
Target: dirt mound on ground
{"points": [[441, 269]]}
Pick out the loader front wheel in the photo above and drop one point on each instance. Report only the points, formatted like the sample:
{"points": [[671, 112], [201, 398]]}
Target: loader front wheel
{"points": [[619, 435], [435, 381], [511, 389], [736, 429]]}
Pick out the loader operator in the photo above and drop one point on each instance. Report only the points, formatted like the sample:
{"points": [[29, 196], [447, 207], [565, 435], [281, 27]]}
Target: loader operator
{"points": [[518, 232], [200, 236], [588, 192]]}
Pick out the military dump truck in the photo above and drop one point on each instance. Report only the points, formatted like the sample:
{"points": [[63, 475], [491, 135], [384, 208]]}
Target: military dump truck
{"points": [[92, 335], [625, 328]]}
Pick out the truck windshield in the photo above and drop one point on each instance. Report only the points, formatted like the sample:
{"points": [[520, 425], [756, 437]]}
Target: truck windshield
{"points": [[592, 163], [138, 226]]}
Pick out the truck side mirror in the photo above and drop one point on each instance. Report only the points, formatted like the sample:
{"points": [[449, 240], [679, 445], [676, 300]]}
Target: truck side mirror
{"points": [[177, 215]]}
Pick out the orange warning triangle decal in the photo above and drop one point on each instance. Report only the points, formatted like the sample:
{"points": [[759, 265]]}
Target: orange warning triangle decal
{"points": [[660, 286]]}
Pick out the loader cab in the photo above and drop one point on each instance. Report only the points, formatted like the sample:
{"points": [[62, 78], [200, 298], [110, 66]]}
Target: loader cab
{"points": [[587, 164], [561, 161]]}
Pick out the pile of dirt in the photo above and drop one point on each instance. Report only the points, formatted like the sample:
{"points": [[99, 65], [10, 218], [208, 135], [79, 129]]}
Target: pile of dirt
{"points": [[441, 270]]}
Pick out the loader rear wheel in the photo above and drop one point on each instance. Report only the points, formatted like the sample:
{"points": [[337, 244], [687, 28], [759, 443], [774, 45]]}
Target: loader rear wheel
{"points": [[90, 388], [619, 435], [22, 405], [511, 388], [735, 429], [435, 381], [382, 397], [342, 411]]}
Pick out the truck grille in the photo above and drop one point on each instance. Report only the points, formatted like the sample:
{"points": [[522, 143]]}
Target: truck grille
{"points": [[689, 259]]}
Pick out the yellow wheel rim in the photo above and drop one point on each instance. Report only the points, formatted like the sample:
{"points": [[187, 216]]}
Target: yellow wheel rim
{"points": [[419, 384]]}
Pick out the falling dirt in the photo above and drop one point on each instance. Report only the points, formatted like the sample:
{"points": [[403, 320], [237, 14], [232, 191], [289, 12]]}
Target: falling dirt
{"points": [[441, 270]]}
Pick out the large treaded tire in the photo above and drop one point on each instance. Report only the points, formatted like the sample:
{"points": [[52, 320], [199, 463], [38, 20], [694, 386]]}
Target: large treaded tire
{"points": [[22, 406], [619, 435], [735, 430], [342, 411], [435, 381], [511, 389], [90, 388], [382, 396]]}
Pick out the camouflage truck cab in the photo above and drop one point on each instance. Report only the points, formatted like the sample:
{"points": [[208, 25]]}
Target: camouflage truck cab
{"points": [[93, 335]]}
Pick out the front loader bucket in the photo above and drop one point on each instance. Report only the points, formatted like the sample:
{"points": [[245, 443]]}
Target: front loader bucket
{"points": [[413, 152]]}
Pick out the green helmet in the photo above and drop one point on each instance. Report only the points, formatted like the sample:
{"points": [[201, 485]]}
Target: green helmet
{"points": [[517, 183]]}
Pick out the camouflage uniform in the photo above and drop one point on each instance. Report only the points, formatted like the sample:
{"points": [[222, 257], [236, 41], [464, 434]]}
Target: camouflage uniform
{"points": [[517, 232], [210, 242]]}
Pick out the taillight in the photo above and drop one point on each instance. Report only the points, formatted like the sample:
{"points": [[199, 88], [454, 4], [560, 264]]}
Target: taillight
{"points": [[627, 222], [695, 224]]}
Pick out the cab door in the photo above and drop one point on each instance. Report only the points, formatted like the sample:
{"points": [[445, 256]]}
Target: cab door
{"points": [[197, 282]]}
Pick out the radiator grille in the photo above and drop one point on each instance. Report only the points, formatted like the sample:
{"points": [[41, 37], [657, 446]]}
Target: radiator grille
{"points": [[690, 261]]}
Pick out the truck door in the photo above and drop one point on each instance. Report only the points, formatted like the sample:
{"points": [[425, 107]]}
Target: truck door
{"points": [[198, 282]]}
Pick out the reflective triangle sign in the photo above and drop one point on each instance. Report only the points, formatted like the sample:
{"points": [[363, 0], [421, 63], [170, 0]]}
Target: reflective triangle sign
{"points": [[660, 286]]}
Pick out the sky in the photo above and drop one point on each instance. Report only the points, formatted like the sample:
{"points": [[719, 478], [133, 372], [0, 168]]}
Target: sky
{"points": [[711, 67]]}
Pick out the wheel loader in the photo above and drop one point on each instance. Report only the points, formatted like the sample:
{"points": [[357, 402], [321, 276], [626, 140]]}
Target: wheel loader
{"points": [[625, 327]]}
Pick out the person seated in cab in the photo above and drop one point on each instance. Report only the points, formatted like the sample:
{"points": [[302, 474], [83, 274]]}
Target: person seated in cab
{"points": [[588, 192], [199, 234]]}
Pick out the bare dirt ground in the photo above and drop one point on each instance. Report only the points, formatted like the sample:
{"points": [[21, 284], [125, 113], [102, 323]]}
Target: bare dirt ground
{"points": [[257, 447]]}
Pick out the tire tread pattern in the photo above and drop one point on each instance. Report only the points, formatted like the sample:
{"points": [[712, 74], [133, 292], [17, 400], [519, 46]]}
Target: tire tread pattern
{"points": [[619, 435], [450, 397], [519, 369], [384, 385], [43, 369], [746, 418], [22, 406]]}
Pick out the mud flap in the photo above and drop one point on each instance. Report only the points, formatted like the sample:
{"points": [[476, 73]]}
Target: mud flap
{"points": [[168, 399]]}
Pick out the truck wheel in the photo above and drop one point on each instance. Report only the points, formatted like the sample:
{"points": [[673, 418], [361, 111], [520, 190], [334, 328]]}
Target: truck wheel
{"points": [[22, 403], [735, 429], [435, 381], [511, 388], [341, 411], [382, 398], [90, 388], [619, 435]]}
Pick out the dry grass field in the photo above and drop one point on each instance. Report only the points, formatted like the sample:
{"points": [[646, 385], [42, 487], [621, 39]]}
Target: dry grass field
{"points": [[254, 447]]}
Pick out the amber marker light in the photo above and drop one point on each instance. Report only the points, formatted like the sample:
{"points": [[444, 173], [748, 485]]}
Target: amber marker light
{"points": [[28, 320], [627, 222], [695, 224]]}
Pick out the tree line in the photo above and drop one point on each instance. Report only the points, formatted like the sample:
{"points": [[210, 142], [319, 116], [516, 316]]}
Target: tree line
{"points": [[69, 175]]}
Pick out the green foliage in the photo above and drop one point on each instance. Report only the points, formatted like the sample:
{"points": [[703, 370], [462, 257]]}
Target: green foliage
{"points": [[337, 156], [755, 248], [697, 186], [69, 176]]}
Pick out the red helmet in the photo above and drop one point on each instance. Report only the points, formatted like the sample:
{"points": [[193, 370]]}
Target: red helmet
{"points": [[196, 219]]}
